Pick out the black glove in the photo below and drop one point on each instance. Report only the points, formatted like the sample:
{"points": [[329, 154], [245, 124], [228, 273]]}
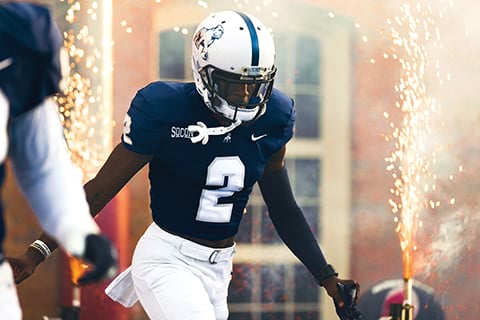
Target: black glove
{"points": [[100, 253], [349, 293]]}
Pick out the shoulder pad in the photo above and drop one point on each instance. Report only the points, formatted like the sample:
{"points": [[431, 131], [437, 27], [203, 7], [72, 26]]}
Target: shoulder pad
{"points": [[280, 109], [30, 25], [166, 102]]}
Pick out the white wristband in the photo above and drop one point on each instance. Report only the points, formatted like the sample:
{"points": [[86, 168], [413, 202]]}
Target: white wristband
{"points": [[41, 247]]}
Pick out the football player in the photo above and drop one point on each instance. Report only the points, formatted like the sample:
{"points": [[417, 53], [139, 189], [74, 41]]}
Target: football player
{"points": [[207, 143], [31, 136]]}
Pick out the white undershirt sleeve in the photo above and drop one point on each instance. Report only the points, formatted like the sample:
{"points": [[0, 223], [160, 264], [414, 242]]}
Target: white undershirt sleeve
{"points": [[47, 177]]}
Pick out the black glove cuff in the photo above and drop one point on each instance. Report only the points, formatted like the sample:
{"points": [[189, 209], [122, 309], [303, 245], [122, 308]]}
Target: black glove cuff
{"points": [[325, 273]]}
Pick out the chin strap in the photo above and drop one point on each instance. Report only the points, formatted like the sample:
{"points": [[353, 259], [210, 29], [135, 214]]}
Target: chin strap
{"points": [[204, 132]]}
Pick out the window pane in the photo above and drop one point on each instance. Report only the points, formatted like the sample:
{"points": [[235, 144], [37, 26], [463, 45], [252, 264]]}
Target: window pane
{"points": [[308, 116], [242, 283], [307, 177], [240, 316], [273, 283], [274, 316], [307, 60], [310, 315], [172, 52], [281, 58], [269, 235], [306, 289]]}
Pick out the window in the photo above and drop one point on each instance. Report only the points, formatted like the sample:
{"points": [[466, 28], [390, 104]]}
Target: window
{"points": [[172, 51]]}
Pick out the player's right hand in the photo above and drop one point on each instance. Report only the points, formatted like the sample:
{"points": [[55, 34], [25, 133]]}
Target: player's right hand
{"points": [[345, 296], [102, 258], [23, 266], [349, 293]]}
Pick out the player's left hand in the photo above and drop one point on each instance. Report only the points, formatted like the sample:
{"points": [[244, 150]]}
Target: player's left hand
{"points": [[345, 296]]}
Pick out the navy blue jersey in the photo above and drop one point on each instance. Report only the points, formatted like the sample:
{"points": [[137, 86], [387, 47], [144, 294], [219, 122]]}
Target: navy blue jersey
{"points": [[29, 62], [30, 43], [201, 190]]}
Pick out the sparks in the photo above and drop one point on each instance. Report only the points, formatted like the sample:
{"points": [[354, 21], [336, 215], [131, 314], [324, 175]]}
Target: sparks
{"points": [[85, 117], [412, 160]]}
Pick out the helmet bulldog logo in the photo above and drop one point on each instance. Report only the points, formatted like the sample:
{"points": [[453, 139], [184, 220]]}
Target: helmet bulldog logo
{"points": [[204, 38]]}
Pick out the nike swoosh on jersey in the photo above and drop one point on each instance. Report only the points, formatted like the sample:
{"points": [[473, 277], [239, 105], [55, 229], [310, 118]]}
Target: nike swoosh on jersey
{"points": [[5, 63], [258, 137]]}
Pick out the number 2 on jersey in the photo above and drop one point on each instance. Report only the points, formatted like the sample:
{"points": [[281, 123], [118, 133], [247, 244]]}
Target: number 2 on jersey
{"points": [[227, 174]]}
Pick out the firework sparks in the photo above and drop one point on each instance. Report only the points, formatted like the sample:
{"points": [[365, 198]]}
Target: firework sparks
{"points": [[84, 105], [412, 161], [84, 113]]}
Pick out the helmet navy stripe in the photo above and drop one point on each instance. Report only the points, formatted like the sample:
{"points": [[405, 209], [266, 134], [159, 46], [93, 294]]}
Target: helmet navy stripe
{"points": [[254, 38]]}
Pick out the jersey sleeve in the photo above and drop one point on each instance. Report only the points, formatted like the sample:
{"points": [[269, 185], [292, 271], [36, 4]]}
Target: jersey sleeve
{"points": [[281, 120], [141, 127], [288, 129]]}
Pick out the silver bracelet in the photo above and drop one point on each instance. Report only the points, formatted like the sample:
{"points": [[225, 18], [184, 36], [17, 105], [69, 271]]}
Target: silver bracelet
{"points": [[41, 247]]}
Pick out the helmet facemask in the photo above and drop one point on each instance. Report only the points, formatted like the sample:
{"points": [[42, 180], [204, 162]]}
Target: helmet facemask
{"points": [[237, 96]]}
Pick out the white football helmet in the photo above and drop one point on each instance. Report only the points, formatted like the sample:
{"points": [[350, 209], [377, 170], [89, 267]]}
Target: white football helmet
{"points": [[233, 58]]}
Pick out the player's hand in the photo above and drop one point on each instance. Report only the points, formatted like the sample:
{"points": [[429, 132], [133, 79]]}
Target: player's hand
{"points": [[24, 266], [102, 258], [345, 296]]}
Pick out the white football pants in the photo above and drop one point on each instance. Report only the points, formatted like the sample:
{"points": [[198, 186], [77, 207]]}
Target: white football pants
{"points": [[177, 279], [9, 304]]}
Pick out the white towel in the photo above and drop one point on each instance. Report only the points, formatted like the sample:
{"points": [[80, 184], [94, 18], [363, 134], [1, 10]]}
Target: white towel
{"points": [[121, 289]]}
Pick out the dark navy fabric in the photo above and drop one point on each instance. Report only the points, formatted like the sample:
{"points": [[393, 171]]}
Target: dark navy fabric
{"points": [[32, 40], [160, 114]]}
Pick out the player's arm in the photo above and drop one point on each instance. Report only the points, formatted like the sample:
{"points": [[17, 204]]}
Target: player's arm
{"points": [[124, 162], [120, 167], [52, 187], [293, 229]]}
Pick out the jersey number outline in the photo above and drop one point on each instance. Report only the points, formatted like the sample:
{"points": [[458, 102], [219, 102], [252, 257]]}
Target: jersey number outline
{"points": [[227, 176], [127, 124]]}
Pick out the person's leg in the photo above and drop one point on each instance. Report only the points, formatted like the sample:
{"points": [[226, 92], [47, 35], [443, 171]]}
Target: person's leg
{"points": [[220, 302], [166, 284], [9, 304], [169, 293], [215, 277]]}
